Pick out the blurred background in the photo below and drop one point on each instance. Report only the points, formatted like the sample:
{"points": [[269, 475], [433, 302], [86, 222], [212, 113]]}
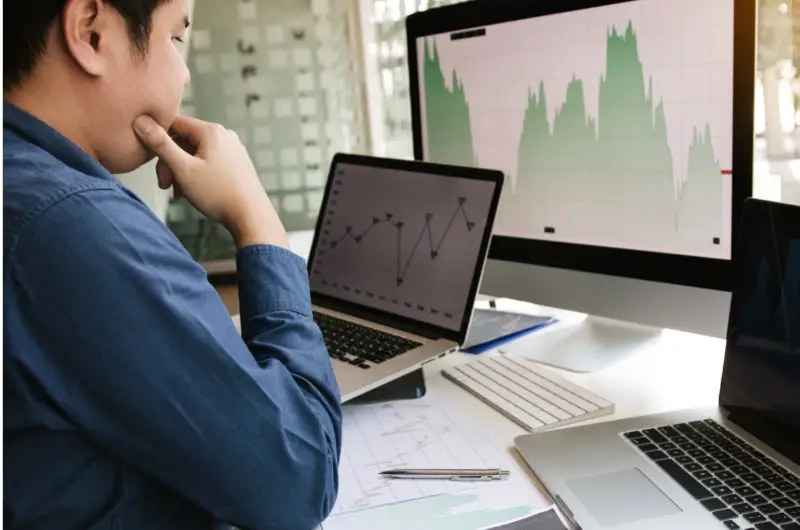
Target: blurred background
{"points": [[300, 80]]}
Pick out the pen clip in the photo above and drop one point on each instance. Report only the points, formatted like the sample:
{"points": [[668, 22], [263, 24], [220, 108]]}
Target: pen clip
{"points": [[473, 478]]}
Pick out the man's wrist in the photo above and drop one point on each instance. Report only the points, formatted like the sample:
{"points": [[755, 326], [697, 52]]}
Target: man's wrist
{"points": [[251, 231]]}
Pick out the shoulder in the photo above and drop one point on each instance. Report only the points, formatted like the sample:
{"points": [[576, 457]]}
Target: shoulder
{"points": [[33, 182], [50, 208]]}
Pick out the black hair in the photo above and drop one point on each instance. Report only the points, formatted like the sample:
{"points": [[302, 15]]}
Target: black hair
{"points": [[27, 24]]}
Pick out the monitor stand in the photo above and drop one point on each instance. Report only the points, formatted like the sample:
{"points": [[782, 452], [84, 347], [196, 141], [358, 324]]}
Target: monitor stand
{"points": [[590, 345]]}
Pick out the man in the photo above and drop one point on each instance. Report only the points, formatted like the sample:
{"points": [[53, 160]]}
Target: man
{"points": [[130, 400]]}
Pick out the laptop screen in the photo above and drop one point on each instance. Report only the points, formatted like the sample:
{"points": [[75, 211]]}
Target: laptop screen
{"points": [[406, 243], [761, 378]]}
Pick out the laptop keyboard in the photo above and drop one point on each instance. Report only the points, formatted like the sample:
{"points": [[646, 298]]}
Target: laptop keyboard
{"points": [[736, 482], [360, 345]]}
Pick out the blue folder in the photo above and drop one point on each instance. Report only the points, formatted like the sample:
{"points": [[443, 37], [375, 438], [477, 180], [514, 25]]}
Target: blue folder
{"points": [[491, 328]]}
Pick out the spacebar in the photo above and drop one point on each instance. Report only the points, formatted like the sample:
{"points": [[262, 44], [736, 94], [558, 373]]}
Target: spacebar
{"points": [[697, 490]]}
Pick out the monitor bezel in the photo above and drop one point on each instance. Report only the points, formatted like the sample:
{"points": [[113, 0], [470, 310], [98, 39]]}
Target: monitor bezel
{"points": [[675, 269], [770, 218], [402, 322]]}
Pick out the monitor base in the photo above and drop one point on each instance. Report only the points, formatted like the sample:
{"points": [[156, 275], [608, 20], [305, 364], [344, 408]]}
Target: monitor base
{"points": [[591, 345]]}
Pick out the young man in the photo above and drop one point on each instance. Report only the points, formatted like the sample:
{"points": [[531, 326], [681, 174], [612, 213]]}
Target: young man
{"points": [[130, 400]]}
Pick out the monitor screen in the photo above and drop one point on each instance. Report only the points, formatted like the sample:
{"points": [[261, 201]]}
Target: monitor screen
{"points": [[409, 244], [614, 123], [761, 378]]}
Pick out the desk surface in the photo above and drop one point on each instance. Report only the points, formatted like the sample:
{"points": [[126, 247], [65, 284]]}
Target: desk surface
{"points": [[679, 370]]}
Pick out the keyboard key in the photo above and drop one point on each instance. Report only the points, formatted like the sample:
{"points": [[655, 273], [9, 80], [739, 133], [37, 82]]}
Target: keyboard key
{"points": [[732, 499], [794, 511], [656, 455], [743, 508], [687, 482], [654, 435], [713, 504], [783, 502], [669, 432], [780, 518], [755, 500], [732, 525], [754, 517], [791, 526], [766, 526], [723, 515]]}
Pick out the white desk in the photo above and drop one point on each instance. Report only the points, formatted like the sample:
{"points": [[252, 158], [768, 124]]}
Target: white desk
{"points": [[678, 371]]}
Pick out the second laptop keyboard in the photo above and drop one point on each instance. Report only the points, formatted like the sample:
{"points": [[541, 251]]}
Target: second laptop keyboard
{"points": [[529, 394], [739, 484], [359, 345]]}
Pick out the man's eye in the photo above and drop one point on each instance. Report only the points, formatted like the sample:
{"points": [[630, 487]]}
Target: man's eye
{"points": [[178, 39]]}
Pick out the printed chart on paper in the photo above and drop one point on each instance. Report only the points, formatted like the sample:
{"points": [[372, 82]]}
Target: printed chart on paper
{"points": [[411, 434]]}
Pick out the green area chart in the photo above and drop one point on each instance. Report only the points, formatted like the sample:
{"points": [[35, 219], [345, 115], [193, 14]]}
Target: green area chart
{"points": [[617, 165]]}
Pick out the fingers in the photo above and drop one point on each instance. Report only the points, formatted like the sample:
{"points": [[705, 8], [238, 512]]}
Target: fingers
{"points": [[165, 176], [155, 138], [192, 128]]}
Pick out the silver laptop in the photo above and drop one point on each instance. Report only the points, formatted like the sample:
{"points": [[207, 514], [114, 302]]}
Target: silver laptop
{"points": [[735, 466], [397, 258]]}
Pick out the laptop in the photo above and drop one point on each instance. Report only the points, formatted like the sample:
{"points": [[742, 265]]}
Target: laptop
{"points": [[733, 466], [395, 264]]}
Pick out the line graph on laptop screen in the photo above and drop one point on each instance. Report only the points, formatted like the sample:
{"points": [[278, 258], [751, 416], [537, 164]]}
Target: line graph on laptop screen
{"points": [[403, 242]]}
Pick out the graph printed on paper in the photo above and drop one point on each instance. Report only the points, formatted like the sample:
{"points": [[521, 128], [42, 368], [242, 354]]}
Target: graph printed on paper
{"points": [[406, 435], [401, 241], [619, 136]]}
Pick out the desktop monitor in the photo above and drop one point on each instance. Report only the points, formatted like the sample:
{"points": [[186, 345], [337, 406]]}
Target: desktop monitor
{"points": [[625, 130]]}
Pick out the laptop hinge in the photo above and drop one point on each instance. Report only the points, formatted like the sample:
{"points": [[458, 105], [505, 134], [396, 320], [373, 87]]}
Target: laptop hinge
{"points": [[403, 324], [773, 434]]}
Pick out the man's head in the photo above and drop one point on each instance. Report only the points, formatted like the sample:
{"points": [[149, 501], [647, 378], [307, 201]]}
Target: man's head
{"points": [[89, 68]]}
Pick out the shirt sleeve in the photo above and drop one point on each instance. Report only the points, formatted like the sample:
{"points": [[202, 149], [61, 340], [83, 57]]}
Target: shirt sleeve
{"points": [[150, 366]]}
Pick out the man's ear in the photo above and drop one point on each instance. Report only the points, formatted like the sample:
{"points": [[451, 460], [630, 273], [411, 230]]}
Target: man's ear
{"points": [[85, 25]]}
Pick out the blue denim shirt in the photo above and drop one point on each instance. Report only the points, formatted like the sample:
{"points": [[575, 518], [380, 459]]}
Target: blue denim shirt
{"points": [[130, 401]]}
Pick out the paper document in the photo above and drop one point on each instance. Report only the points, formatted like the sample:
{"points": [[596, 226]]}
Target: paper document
{"points": [[422, 434]]}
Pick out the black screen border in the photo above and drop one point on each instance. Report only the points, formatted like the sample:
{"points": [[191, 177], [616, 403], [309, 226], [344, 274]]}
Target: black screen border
{"points": [[410, 325], [759, 423], [708, 273]]}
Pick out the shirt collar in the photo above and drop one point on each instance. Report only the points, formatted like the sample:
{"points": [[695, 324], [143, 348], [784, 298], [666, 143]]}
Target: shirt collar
{"points": [[34, 131]]}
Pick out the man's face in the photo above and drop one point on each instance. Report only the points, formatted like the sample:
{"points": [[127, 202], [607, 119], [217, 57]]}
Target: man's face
{"points": [[135, 85]]}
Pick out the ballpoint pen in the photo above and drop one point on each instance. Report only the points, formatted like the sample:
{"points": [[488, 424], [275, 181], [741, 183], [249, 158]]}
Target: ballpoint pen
{"points": [[448, 474]]}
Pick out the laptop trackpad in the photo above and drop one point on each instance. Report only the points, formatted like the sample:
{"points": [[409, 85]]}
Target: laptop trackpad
{"points": [[622, 497]]}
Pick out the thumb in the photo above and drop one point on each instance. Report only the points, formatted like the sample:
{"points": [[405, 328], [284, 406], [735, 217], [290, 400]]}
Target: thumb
{"points": [[154, 137]]}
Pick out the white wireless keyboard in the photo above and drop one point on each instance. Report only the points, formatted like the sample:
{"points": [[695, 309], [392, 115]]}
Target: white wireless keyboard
{"points": [[529, 394]]}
